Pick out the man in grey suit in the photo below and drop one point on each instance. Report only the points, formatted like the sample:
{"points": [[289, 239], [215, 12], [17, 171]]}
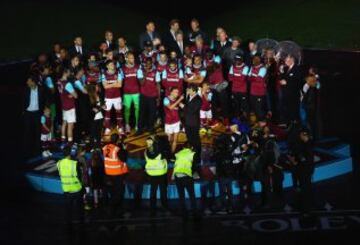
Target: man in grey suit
{"points": [[149, 35]]}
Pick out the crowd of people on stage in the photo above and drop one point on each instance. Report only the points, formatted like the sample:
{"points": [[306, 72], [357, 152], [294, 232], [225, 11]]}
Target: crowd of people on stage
{"points": [[181, 82]]}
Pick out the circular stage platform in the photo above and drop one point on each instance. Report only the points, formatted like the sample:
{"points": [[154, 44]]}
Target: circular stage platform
{"points": [[332, 158]]}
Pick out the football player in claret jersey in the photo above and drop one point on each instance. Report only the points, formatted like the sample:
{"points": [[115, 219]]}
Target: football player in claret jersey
{"points": [[148, 52], [257, 78], [92, 75], [162, 62], [238, 76], [50, 92], [149, 97], [172, 77], [111, 81], [46, 125], [172, 102], [67, 97], [205, 111], [221, 98], [195, 73], [131, 73]]}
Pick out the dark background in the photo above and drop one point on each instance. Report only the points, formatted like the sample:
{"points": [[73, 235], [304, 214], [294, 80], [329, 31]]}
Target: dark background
{"points": [[339, 70]]}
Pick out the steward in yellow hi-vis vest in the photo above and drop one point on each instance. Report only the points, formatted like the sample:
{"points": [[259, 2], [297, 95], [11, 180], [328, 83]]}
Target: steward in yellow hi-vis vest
{"points": [[69, 172], [156, 169], [183, 162], [68, 175], [183, 177]]}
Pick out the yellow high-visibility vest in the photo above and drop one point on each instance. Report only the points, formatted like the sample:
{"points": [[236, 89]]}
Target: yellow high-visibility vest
{"points": [[68, 175], [184, 161], [156, 166]]}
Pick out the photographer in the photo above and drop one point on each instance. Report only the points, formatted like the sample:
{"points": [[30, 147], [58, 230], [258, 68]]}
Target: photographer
{"points": [[239, 148], [271, 174], [302, 159], [226, 171]]}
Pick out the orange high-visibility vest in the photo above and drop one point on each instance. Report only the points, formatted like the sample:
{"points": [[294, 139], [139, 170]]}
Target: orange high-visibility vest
{"points": [[113, 165]]}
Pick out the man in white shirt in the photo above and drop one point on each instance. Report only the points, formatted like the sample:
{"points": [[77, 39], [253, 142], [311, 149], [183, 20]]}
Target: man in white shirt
{"points": [[180, 43], [33, 106]]}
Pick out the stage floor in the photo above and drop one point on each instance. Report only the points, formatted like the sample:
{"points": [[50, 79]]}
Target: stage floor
{"points": [[332, 158]]}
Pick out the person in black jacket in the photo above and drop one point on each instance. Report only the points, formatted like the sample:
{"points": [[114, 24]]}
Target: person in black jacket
{"points": [[78, 48], [270, 174], [310, 103], [291, 82], [196, 31], [149, 35], [192, 120], [219, 45], [169, 37], [302, 159], [32, 109], [226, 172]]}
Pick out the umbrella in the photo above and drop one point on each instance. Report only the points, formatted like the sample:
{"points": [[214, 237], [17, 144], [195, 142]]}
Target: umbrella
{"points": [[285, 48], [266, 43]]}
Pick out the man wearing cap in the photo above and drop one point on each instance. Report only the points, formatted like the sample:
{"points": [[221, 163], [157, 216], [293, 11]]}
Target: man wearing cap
{"points": [[148, 52], [228, 56]]}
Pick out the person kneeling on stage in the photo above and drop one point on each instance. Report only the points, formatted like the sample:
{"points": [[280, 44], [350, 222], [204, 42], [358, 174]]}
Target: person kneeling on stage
{"points": [[115, 170], [156, 169], [184, 178]]}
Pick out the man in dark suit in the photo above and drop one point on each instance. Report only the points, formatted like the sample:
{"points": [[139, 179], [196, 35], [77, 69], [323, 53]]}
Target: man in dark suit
{"points": [[109, 40], [192, 120], [169, 37], [221, 44], [180, 44], [33, 107], [251, 51], [149, 35], [195, 32], [291, 83], [78, 48]]}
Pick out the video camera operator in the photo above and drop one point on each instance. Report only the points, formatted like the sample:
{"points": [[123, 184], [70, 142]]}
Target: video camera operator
{"points": [[302, 159]]}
